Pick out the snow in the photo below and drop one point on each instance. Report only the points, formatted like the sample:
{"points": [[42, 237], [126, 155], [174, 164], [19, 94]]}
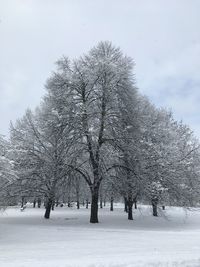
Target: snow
{"points": [[68, 239]]}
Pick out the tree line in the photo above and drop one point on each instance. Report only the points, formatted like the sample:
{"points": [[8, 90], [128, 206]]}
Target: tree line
{"points": [[96, 138]]}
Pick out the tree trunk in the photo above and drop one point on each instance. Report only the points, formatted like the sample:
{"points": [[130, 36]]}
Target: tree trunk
{"points": [[94, 205], [77, 197], [135, 204], [101, 203], [125, 205], [39, 203], [130, 209], [100, 197], [48, 209], [34, 203], [69, 202], [155, 208], [111, 204], [163, 207], [104, 202], [23, 202]]}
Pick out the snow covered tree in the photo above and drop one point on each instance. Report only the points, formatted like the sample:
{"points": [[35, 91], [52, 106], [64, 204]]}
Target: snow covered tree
{"points": [[94, 84], [7, 173], [169, 148], [42, 144]]}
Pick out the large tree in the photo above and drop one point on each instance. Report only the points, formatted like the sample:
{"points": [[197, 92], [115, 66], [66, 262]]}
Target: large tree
{"points": [[96, 84]]}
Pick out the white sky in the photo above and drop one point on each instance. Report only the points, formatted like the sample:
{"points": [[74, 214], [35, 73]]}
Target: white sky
{"points": [[162, 36]]}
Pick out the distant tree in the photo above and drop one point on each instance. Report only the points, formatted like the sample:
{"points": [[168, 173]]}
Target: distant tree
{"points": [[170, 149], [42, 145], [7, 173]]}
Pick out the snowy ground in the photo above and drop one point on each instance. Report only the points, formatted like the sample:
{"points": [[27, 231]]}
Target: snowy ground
{"points": [[67, 239]]}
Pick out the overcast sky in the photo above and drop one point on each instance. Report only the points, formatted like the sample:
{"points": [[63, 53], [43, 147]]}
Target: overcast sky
{"points": [[163, 37]]}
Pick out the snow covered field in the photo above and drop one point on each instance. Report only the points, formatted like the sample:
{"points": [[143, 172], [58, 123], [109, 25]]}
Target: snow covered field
{"points": [[67, 239]]}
